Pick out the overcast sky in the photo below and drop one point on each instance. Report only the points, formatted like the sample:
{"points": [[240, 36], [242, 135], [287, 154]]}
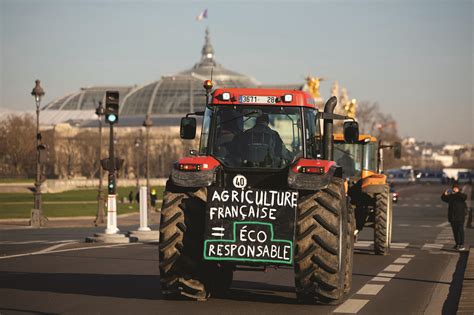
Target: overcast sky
{"points": [[415, 58]]}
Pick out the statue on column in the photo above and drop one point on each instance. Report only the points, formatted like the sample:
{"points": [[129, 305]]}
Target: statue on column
{"points": [[312, 86]]}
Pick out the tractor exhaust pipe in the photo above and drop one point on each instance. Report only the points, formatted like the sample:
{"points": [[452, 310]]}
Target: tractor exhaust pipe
{"points": [[328, 140]]}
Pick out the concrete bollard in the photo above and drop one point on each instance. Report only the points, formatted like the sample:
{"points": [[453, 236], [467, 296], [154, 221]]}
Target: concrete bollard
{"points": [[111, 234], [143, 210], [111, 215], [144, 233]]}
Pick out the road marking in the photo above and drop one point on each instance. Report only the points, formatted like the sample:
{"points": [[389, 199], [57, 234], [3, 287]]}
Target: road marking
{"points": [[425, 226], [402, 260], [445, 237], [65, 250], [408, 255], [432, 246], [35, 242], [394, 268], [386, 275], [399, 245], [351, 306], [370, 289], [403, 224], [364, 243], [51, 248], [381, 279], [371, 243]]}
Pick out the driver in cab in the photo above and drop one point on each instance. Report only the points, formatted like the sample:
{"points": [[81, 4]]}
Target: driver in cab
{"points": [[260, 145]]}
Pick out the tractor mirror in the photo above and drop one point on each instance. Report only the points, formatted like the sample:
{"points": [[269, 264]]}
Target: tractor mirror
{"points": [[188, 128], [397, 150], [351, 131]]}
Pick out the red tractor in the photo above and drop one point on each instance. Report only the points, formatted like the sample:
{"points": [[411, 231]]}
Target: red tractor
{"points": [[262, 190]]}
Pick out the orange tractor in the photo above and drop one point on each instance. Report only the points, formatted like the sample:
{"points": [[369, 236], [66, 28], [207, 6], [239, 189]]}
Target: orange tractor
{"points": [[362, 163]]}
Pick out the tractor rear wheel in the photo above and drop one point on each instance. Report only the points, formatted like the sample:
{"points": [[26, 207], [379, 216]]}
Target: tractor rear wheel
{"points": [[350, 248], [181, 242], [321, 251], [383, 222]]}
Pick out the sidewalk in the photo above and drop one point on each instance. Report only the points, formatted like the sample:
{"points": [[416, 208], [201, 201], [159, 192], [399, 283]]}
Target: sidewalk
{"points": [[88, 221], [466, 301]]}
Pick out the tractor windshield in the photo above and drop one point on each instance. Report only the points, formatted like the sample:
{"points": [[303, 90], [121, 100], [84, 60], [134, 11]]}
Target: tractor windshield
{"points": [[349, 156], [355, 157], [256, 136]]}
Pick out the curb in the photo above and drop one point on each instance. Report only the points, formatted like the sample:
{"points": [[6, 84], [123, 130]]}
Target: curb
{"points": [[466, 302]]}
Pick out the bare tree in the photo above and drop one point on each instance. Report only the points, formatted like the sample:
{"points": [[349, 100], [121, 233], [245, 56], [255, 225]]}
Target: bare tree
{"points": [[17, 144], [87, 142]]}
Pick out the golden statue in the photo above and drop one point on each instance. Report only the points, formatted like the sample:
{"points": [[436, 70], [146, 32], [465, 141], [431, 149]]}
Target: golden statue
{"points": [[350, 107], [313, 86]]}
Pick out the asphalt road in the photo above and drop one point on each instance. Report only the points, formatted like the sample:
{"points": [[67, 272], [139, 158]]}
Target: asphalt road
{"points": [[54, 271]]}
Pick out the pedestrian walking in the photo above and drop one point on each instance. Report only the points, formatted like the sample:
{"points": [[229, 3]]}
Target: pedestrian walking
{"points": [[457, 210], [153, 197], [130, 197]]}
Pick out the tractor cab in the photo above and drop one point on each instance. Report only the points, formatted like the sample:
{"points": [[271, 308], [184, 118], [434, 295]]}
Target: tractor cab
{"points": [[358, 159]]}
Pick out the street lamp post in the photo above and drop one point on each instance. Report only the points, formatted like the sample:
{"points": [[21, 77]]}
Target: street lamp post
{"points": [[99, 218], [137, 154], [37, 214], [147, 124]]}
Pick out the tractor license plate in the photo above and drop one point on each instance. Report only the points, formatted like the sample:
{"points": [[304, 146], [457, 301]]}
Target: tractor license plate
{"points": [[250, 225], [245, 99]]}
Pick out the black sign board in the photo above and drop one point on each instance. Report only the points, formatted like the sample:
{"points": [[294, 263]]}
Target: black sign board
{"points": [[250, 225]]}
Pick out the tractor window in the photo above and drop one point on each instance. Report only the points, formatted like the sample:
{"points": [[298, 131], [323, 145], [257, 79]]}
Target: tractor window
{"points": [[257, 136], [370, 157], [312, 133], [206, 123], [349, 156]]}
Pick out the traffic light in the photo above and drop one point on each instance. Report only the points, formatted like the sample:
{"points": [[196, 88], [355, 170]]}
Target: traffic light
{"points": [[111, 184], [111, 107]]}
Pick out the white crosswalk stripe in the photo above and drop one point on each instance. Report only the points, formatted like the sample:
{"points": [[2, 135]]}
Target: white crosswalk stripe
{"points": [[438, 245]]}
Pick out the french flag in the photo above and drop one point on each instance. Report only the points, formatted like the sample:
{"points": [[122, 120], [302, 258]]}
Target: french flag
{"points": [[202, 16]]}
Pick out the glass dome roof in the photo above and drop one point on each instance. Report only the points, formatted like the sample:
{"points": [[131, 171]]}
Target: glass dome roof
{"points": [[171, 95], [183, 92], [86, 98]]}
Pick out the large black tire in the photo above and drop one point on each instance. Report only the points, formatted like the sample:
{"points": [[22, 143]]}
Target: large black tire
{"points": [[383, 222], [321, 245], [181, 242], [183, 273], [350, 248]]}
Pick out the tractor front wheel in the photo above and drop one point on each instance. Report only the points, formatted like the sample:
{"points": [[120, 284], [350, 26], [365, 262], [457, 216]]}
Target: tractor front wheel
{"points": [[322, 249], [383, 222]]}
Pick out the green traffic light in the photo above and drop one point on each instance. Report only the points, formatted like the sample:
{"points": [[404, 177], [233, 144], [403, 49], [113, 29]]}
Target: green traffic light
{"points": [[112, 118]]}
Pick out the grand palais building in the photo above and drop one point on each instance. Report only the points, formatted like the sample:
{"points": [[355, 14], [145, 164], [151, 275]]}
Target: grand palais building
{"points": [[71, 125]]}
